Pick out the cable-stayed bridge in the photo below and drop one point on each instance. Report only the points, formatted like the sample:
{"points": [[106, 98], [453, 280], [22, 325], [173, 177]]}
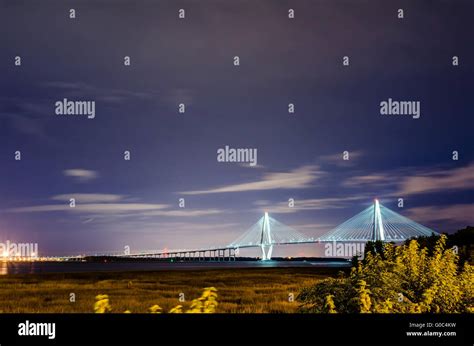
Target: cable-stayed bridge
{"points": [[374, 223]]}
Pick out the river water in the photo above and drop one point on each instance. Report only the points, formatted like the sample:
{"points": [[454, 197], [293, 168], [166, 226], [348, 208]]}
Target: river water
{"points": [[84, 267]]}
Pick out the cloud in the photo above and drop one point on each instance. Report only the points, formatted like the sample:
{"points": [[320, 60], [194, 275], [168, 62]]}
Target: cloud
{"points": [[183, 212], [40, 208], [299, 178], [88, 197], [93, 208], [439, 180], [458, 213], [411, 181], [309, 204], [111, 95], [247, 165], [376, 179], [81, 175], [96, 205]]}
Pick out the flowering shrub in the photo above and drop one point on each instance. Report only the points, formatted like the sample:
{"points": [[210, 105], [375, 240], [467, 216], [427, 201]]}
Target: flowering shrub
{"points": [[207, 303], [401, 279], [102, 304], [155, 309]]}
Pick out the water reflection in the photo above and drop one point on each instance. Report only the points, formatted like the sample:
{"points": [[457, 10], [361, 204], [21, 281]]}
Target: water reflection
{"points": [[3, 268]]}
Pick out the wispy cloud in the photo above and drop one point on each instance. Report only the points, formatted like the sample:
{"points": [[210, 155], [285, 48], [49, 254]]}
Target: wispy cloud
{"points": [[89, 197], [299, 178], [183, 212], [124, 209], [81, 175], [374, 180], [457, 213], [309, 204], [80, 89], [247, 165], [411, 181], [439, 180], [94, 205], [92, 208]]}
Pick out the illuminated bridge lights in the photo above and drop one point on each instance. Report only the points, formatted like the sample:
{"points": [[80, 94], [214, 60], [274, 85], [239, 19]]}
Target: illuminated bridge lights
{"points": [[374, 223]]}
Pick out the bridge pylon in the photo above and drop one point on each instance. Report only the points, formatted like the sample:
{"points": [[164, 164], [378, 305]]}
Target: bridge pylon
{"points": [[267, 233], [266, 243], [377, 223], [378, 229]]}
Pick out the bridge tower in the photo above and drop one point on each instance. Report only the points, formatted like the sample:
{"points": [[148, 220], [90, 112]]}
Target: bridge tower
{"points": [[266, 243], [378, 232]]}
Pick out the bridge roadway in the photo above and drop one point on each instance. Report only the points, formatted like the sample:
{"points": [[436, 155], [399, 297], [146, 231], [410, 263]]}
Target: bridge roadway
{"points": [[225, 253]]}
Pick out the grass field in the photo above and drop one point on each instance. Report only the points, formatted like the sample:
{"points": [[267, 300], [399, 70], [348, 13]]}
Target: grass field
{"points": [[250, 290]]}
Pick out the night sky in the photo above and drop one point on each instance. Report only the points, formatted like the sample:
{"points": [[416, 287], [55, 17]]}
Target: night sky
{"points": [[173, 155]]}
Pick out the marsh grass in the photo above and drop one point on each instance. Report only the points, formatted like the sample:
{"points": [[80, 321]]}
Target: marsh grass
{"points": [[250, 290]]}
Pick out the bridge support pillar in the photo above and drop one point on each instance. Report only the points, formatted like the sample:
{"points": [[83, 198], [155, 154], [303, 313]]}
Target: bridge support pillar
{"points": [[266, 242], [266, 252]]}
